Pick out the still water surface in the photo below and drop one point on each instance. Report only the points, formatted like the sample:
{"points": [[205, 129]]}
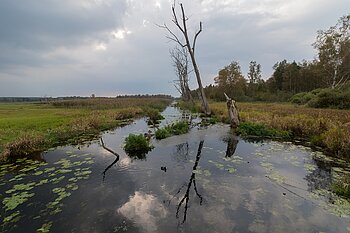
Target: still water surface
{"points": [[205, 181]]}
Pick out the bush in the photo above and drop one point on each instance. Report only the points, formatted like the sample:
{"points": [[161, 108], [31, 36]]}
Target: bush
{"points": [[137, 146], [302, 98], [324, 98]]}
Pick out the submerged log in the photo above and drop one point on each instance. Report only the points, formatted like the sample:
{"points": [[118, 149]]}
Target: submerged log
{"points": [[232, 112]]}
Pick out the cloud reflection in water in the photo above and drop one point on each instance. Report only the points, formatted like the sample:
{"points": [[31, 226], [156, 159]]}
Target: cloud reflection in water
{"points": [[145, 210]]}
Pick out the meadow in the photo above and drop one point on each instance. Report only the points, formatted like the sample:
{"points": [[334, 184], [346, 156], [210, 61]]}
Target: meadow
{"points": [[26, 128]]}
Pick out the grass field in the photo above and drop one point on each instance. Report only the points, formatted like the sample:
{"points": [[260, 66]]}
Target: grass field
{"points": [[30, 127], [327, 128]]}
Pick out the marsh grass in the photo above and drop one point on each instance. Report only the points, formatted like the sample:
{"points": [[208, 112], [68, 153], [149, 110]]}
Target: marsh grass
{"points": [[328, 128], [113, 103], [191, 106], [26, 143], [248, 129], [342, 186], [69, 122]]}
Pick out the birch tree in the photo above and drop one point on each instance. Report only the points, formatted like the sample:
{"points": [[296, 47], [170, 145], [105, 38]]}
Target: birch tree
{"points": [[334, 52]]}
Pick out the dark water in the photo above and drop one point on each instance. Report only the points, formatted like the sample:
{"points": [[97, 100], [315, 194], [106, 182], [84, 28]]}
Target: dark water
{"points": [[204, 181]]}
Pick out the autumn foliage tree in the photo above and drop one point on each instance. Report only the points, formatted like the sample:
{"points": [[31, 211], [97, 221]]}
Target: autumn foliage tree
{"points": [[231, 80]]}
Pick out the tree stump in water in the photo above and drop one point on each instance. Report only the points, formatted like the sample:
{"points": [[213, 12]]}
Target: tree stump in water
{"points": [[232, 112]]}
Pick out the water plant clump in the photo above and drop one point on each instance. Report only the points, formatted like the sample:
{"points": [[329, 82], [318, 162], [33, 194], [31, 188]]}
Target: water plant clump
{"points": [[154, 117], [209, 120], [180, 127], [177, 128], [162, 133], [137, 146]]}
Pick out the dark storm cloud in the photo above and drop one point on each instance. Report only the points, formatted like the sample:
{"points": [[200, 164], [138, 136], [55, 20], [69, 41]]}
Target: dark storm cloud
{"points": [[31, 28], [34, 24]]}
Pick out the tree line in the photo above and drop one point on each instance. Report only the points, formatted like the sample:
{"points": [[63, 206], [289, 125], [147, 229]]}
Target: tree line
{"points": [[331, 69]]}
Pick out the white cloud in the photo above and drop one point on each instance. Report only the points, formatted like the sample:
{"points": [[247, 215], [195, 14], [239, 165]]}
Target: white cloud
{"points": [[121, 33], [101, 46]]}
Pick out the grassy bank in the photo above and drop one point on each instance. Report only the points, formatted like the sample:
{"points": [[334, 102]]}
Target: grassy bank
{"points": [[327, 128], [34, 127]]}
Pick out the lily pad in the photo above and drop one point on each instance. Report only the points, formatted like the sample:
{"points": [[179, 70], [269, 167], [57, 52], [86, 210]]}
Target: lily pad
{"points": [[16, 199]]}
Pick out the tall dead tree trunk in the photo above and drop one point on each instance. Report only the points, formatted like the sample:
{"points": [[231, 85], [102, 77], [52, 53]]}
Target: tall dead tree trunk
{"points": [[232, 112], [185, 43]]}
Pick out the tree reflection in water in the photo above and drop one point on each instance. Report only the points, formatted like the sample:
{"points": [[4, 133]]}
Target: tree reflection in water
{"points": [[181, 152], [114, 162], [186, 198], [232, 142]]}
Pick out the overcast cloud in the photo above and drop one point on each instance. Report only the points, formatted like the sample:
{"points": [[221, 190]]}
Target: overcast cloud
{"points": [[111, 47]]}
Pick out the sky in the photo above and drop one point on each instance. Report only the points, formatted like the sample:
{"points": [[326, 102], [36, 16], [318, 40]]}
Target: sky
{"points": [[114, 47]]}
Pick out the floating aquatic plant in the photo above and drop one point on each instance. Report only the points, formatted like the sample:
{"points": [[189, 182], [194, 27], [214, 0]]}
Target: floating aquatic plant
{"points": [[14, 217], [20, 193], [310, 167], [10, 203], [45, 227], [231, 170]]}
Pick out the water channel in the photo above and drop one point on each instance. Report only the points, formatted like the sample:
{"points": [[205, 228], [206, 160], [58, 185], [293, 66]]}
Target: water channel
{"points": [[205, 181]]}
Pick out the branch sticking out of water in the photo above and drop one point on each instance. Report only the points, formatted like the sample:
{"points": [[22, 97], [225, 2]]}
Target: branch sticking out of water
{"points": [[114, 162]]}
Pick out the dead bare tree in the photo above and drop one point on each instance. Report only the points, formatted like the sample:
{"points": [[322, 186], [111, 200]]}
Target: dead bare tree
{"points": [[114, 162], [181, 64], [232, 112], [184, 42]]}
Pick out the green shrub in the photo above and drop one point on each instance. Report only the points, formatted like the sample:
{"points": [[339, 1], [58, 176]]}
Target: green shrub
{"points": [[302, 98], [324, 98], [248, 129], [137, 146]]}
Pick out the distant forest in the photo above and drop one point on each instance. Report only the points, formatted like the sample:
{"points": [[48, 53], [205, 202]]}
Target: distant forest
{"points": [[48, 99]]}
